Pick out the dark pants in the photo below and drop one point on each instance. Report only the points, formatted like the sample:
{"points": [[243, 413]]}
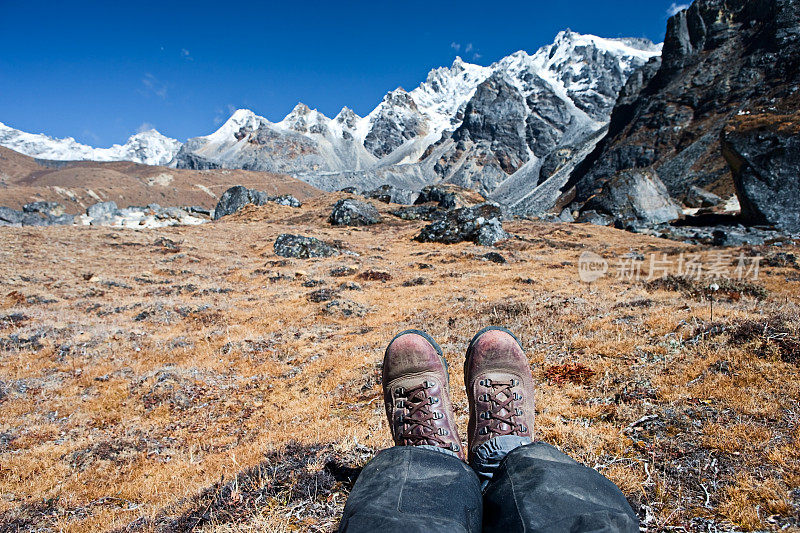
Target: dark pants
{"points": [[537, 488]]}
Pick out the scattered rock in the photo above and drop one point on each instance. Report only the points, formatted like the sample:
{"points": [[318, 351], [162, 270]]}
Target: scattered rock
{"points": [[415, 282], [697, 197], [449, 196], [349, 212], [350, 286], [321, 295], [494, 257], [302, 247], [238, 196], [479, 224], [419, 212], [389, 194], [375, 275], [102, 209], [346, 308], [342, 271]]}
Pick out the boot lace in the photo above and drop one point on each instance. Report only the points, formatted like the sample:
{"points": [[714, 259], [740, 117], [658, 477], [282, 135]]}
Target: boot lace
{"points": [[495, 413], [418, 426]]}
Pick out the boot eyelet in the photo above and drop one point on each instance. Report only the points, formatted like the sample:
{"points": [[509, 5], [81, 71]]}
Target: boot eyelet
{"points": [[434, 400], [518, 412], [438, 416], [399, 391], [517, 396], [523, 429], [400, 404], [455, 447], [443, 432]]}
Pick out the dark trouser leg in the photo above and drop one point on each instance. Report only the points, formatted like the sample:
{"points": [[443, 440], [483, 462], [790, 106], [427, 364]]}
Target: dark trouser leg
{"points": [[537, 488], [412, 489]]}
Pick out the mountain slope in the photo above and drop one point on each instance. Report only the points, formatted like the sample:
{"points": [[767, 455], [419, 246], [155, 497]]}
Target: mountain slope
{"points": [[79, 184], [466, 124], [147, 147]]}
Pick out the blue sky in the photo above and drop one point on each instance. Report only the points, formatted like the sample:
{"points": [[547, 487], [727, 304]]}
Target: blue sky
{"points": [[100, 71]]}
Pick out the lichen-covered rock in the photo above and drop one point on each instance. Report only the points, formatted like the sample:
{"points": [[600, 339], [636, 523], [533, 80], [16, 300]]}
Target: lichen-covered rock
{"points": [[302, 247], [480, 224], [238, 196], [349, 212]]}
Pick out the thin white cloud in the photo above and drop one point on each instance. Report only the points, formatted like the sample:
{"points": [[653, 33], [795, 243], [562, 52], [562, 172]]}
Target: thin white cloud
{"points": [[145, 126], [476, 56], [186, 54], [468, 48], [455, 46], [220, 115], [154, 86], [675, 8]]}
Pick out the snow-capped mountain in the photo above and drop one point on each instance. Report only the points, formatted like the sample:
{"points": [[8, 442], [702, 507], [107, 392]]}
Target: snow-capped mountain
{"points": [[147, 147], [466, 124]]}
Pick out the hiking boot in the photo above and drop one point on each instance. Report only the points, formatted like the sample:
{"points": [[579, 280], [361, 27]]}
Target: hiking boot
{"points": [[499, 388], [416, 393]]}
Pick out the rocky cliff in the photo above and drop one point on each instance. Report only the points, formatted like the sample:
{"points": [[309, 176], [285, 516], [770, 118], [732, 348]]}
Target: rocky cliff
{"points": [[720, 58]]}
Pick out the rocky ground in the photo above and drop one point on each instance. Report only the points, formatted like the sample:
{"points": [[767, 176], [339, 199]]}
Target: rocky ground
{"points": [[192, 379]]}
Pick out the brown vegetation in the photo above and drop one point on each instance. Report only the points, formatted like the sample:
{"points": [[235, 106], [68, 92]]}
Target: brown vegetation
{"points": [[182, 379]]}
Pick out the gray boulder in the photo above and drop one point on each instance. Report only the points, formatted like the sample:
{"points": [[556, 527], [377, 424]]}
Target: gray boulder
{"points": [[635, 197], [235, 198], [102, 209], [32, 217], [389, 194], [10, 216], [764, 156], [48, 208], [302, 247], [349, 212], [479, 224], [697, 197]]}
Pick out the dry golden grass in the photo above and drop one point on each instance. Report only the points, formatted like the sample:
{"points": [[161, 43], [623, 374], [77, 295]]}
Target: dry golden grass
{"points": [[195, 387]]}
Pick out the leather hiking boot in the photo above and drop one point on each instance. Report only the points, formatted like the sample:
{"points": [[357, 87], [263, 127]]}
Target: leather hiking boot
{"points": [[499, 387], [416, 393]]}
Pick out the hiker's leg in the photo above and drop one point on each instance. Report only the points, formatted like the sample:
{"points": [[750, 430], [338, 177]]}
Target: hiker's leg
{"points": [[414, 489], [422, 484], [538, 488]]}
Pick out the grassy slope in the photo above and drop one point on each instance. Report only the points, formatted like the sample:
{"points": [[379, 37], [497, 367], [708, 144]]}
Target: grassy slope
{"points": [[189, 383]]}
